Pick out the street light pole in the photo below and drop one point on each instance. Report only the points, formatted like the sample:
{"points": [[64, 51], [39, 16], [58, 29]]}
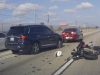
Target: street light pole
{"points": [[48, 20], [2, 27], [35, 16]]}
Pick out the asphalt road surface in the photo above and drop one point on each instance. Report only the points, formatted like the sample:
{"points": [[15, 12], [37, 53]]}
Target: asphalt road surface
{"points": [[45, 63], [86, 67]]}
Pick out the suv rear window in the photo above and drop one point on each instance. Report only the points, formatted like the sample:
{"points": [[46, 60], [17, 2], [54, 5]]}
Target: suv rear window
{"points": [[16, 30]]}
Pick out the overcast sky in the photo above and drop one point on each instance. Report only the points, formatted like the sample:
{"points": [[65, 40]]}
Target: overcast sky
{"points": [[59, 11]]}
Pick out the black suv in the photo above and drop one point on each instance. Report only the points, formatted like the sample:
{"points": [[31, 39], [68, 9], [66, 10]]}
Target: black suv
{"points": [[31, 38]]}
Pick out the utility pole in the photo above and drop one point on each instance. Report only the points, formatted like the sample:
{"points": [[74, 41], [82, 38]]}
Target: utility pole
{"points": [[2, 27], [35, 16], [48, 20]]}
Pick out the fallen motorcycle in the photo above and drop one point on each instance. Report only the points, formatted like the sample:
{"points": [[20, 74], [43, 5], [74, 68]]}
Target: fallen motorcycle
{"points": [[84, 51]]}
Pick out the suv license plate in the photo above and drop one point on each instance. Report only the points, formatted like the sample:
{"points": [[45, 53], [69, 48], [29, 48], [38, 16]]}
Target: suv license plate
{"points": [[11, 39]]}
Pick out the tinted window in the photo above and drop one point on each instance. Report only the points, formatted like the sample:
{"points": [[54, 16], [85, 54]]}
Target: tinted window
{"points": [[16, 30], [35, 30], [47, 31], [70, 29], [40, 30]]}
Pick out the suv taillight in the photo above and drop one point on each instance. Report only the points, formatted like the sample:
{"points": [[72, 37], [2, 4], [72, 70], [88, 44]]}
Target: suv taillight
{"points": [[23, 37]]}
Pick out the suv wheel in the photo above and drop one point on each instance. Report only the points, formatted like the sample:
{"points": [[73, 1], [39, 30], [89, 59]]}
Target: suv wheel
{"points": [[35, 48], [59, 44], [14, 52]]}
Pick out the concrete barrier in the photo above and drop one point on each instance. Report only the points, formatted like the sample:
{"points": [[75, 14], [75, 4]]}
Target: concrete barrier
{"points": [[2, 44]]}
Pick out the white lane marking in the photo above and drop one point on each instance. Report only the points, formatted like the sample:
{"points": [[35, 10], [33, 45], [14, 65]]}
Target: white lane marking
{"points": [[5, 53], [63, 67], [8, 56]]}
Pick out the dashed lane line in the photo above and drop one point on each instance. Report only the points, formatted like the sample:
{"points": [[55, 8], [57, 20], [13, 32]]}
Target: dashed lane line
{"points": [[61, 69]]}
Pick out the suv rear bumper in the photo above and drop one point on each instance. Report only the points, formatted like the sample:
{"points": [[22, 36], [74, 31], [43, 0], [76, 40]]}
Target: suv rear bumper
{"points": [[19, 48]]}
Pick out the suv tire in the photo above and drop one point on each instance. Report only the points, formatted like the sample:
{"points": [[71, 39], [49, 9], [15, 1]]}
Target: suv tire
{"points": [[59, 44], [35, 48], [14, 52], [90, 55]]}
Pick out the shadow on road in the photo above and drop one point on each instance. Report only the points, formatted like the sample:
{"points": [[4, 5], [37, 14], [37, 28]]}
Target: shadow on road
{"points": [[2, 50]]}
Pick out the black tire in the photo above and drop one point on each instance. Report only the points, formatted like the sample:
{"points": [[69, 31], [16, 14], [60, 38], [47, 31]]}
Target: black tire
{"points": [[35, 48], [59, 44], [90, 55], [14, 52]]}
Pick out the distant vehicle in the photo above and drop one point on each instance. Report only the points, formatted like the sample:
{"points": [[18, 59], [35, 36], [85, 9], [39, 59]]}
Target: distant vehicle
{"points": [[72, 34], [2, 35], [31, 39]]}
